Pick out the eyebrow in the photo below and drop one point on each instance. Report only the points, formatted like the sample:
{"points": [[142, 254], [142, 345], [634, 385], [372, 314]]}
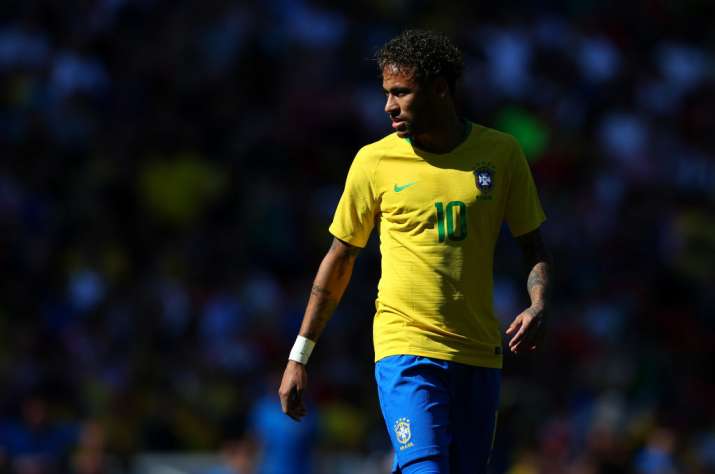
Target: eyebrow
{"points": [[396, 89]]}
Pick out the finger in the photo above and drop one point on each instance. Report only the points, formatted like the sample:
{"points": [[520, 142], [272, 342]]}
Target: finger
{"points": [[518, 336], [295, 396], [516, 323], [525, 329], [295, 399], [522, 346], [528, 338], [284, 401], [534, 334], [517, 346], [526, 343], [297, 411], [288, 398]]}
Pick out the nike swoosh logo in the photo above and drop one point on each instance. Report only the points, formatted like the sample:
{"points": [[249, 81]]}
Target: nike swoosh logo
{"points": [[404, 186]]}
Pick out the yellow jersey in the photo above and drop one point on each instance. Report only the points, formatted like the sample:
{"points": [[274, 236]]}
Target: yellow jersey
{"points": [[438, 217]]}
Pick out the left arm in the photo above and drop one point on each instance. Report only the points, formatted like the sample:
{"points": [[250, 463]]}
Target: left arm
{"points": [[528, 327]]}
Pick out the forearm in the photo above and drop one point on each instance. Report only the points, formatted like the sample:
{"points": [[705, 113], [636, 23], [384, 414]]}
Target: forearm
{"points": [[539, 263], [328, 287], [538, 283], [527, 328]]}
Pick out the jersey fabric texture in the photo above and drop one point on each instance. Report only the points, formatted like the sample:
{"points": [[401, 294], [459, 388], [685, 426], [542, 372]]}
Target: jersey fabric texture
{"points": [[438, 216], [438, 409]]}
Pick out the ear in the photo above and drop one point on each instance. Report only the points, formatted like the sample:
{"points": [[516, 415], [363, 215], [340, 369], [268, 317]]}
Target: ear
{"points": [[440, 87]]}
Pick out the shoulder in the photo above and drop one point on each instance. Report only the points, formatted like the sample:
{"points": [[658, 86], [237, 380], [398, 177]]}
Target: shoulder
{"points": [[502, 147], [370, 155], [494, 138]]}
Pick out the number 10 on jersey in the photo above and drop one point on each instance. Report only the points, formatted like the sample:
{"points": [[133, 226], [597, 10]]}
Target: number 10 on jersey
{"points": [[446, 216]]}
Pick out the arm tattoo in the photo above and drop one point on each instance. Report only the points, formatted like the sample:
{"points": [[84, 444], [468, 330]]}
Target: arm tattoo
{"points": [[539, 263], [318, 290], [537, 277], [325, 296], [538, 283], [323, 311]]}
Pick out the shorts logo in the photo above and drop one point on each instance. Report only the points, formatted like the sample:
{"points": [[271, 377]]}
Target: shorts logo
{"points": [[403, 433]]}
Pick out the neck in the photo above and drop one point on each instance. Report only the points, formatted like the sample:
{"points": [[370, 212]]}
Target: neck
{"points": [[444, 136]]}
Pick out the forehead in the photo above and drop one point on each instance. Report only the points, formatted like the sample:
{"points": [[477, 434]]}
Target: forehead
{"points": [[393, 75]]}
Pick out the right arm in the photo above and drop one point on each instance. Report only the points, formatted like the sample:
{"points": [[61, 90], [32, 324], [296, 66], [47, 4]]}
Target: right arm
{"points": [[328, 287]]}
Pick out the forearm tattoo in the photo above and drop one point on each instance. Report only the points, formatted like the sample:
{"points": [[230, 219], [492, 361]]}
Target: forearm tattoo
{"points": [[318, 290], [324, 309], [539, 262], [538, 283], [323, 300]]}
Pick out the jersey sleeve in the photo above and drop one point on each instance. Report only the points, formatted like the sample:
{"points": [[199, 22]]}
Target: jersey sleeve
{"points": [[523, 209], [355, 215]]}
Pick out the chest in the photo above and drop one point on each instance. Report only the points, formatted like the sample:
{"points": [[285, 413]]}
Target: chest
{"points": [[416, 187], [440, 204]]}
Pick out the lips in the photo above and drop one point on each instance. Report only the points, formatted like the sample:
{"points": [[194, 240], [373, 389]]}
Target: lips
{"points": [[399, 124]]}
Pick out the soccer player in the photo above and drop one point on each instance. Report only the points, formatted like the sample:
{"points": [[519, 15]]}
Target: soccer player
{"points": [[438, 190]]}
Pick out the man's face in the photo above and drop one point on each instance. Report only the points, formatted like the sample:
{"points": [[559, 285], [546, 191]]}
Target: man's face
{"points": [[408, 103]]}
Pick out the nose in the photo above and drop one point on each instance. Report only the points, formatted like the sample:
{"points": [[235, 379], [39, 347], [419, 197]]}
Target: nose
{"points": [[391, 106]]}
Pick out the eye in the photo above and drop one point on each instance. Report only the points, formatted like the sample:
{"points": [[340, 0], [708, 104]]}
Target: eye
{"points": [[396, 92]]}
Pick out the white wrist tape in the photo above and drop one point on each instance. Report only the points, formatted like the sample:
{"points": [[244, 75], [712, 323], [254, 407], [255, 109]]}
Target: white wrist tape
{"points": [[301, 350]]}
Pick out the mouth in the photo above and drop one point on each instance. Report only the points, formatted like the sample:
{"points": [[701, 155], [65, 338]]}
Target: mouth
{"points": [[399, 125]]}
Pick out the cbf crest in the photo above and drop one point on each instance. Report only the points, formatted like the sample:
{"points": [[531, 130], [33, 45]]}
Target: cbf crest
{"points": [[403, 433], [484, 179]]}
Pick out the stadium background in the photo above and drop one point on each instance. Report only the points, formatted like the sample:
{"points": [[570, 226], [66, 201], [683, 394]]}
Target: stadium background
{"points": [[168, 171]]}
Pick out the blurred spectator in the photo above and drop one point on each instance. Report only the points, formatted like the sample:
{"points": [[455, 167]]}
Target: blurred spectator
{"points": [[285, 446], [238, 457], [168, 174], [36, 443], [91, 457], [657, 456]]}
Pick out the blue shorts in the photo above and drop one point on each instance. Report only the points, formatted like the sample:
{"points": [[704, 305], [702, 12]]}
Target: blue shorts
{"points": [[438, 409]]}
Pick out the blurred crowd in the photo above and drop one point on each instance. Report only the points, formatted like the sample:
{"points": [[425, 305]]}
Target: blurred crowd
{"points": [[168, 171]]}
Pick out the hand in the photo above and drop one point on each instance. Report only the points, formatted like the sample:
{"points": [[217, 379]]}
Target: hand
{"points": [[527, 330], [295, 379]]}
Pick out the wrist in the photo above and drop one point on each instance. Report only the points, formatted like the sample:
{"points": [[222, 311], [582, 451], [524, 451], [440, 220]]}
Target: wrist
{"points": [[539, 306], [537, 310], [302, 348]]}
